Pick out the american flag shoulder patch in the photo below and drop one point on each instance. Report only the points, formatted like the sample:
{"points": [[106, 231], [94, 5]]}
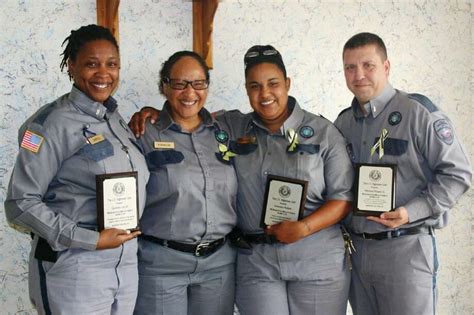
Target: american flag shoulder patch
{"points": [[31, 141]]}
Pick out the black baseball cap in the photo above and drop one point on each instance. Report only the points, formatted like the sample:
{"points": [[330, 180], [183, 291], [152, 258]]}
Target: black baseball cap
{"points": [[263, 53]]}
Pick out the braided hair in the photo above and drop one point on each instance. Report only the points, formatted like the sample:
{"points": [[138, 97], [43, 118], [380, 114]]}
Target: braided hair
{"points": [[82, 36]]}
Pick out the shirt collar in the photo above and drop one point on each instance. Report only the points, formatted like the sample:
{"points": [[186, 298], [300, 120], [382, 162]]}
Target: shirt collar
{"points": [[376, 105], [93, 108], [166, 121], [292, 122]]}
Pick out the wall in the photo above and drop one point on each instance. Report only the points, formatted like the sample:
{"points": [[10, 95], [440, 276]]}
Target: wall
{"points": [[430, 46]]}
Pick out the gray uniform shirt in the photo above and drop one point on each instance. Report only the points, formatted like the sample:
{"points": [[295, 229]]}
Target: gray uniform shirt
{"points": [[191, 193], [53, 192], [319, 158], [433, 167]]}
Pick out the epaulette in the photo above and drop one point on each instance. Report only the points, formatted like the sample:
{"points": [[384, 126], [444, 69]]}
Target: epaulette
{"points": [[233, 111], [320, 115], [344, 110], [44, 113], [423, 100]]}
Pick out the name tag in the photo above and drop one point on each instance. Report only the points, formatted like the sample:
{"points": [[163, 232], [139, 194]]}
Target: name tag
{"points": [[96, 139], [163, 145]]}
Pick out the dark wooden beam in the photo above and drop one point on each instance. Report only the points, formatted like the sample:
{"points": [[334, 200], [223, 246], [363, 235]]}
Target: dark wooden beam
{"points": [[107, 15], [203, 19]]}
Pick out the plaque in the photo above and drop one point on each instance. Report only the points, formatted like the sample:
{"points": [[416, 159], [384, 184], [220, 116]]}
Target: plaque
{"points": [[117, 201], [374, 189], [284, 200]]}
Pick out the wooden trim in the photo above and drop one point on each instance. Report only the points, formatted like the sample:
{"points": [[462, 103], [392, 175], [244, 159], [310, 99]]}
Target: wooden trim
{"points": [[203, 18], [107, 15]]}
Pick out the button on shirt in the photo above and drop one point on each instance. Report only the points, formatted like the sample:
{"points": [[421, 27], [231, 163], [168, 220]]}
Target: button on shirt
{"points": [[433, 169], [191, 193], [53, 192]]}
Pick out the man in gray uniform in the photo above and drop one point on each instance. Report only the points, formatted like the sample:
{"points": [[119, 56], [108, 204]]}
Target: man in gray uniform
{"points": [[395, 263]]}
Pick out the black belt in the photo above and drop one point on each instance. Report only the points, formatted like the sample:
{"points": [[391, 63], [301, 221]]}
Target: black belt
{"points": [[204, 248], [395, 233], [261, 238]]}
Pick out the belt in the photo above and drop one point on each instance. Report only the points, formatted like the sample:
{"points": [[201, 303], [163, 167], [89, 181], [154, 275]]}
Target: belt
{"points": [[202, 249], [396, 233], [261, 238]]}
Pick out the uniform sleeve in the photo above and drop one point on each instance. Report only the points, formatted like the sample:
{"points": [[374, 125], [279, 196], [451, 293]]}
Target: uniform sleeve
{"points": [[31, 177], [448, 163], [338, 170]]}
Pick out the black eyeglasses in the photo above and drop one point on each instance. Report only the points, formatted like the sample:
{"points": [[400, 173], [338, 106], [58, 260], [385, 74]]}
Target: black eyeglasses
{"points": [[253, 54], [177, 84]]}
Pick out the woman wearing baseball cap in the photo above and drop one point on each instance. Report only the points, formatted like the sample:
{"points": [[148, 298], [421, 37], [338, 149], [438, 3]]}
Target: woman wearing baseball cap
{"points": [[293, 267]]}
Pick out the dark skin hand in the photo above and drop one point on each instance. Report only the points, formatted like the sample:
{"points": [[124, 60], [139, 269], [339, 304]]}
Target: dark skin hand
{"points": [[112, 238], [138, 120], [331, 212]]}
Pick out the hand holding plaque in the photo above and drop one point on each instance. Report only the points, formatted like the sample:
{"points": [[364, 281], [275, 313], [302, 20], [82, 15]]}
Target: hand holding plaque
{"points": [[375, 189], [117, 201], [284, 200]]}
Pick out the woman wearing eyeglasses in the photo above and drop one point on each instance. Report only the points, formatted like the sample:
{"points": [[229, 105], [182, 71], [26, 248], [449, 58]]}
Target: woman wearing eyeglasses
{"points": [[185, 264], [289, 267]]}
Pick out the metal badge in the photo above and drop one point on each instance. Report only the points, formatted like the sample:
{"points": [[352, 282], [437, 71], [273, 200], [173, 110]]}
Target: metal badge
{"points": [[306, 132], [394, 118], [221, 136], [163, 145], [95, 139]]}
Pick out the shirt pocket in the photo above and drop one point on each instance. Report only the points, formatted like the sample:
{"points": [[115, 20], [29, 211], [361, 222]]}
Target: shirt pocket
{"points": [[242, 149], [395, 147], [308, 148], [157, 159], [99, 151]]}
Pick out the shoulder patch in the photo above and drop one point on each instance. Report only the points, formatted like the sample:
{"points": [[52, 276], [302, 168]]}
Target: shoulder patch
{"points": [[444, 131], [423, 100], [31, 141], [343, 111]]}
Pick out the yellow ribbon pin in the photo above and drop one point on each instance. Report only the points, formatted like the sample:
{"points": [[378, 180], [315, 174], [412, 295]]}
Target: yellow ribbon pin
{"points": [[226, 153], [379, 143], [292, 137]]}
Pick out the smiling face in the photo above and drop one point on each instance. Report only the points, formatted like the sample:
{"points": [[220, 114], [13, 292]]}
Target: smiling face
{"points": [[186, 104], [267, 89], [366, 72], [96, 69]]}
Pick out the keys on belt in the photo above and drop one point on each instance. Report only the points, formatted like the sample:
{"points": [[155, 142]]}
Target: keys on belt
{"points": [[202, 249]]}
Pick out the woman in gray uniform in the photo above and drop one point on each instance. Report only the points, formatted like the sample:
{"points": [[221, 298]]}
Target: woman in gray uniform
{"points": [[185, 263], [291, 267], [74, 269]]}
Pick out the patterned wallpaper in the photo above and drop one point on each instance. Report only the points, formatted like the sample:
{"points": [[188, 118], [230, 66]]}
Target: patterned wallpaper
{"points": [[430, 46]]}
